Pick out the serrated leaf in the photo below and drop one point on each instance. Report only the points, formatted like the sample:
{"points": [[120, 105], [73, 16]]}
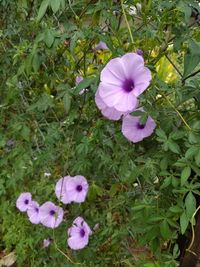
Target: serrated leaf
{"points": [[185, 174], [55, 5], [42, 9], [184, 222], [190, 205]]}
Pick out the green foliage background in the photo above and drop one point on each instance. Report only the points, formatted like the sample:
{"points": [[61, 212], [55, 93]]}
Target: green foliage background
{"points": [[142, 195]]}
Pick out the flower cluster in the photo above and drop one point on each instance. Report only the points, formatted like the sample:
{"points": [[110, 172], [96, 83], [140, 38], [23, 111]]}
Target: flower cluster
{"points": [[122, 81], [68, 189], [47, 214]]}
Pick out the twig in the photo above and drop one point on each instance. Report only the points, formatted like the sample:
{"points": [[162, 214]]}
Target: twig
{"points": [[127, 23], [193, 234], [184, 121], [173, 65], [191, 75]]}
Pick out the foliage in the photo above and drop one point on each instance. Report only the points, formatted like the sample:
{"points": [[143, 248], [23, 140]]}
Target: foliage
{"points": [[142, 195]]}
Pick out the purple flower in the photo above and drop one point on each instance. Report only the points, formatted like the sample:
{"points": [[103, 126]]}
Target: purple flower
{"points": [[101, 45], [33, 212], [76, 188], [23, 201], [134, 131], [46, 242], [60, 190], [78, 234], [110, 113], [140, 52], [50, 215], [123, 79], [78, 79]]}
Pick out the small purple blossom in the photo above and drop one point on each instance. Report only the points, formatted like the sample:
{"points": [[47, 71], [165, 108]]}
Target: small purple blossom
{"points": [[123, 79], [78, 234], [140, 52], [46, 242], [78, 80], [33, 212], [101, 46], [76, 188], [60, 190], [134, 131], [50, 215], [23, 201]]}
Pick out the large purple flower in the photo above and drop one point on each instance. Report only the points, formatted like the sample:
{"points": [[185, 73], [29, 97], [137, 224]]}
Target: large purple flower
{"points": [[50, 214], [123, 79], [110, 113], [134, 131], [33, 212], [76, 188], [23, 201], [78, 234], [60, 190]]}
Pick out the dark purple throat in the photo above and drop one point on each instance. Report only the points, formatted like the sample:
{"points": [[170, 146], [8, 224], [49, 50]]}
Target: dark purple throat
{"points": [[26, 201], [140, 126], [36, 209], [52, 212], [82, 232], [79, 188], [128, 86]]}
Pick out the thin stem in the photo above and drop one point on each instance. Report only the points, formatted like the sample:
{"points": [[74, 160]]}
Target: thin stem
{"points": [[127, 23], [174, 65], [193, 234], [70, 6], [186, 124], [191, 75]]}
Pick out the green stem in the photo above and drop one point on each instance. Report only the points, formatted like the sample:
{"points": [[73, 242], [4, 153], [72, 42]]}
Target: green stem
{"points": [[127, 23]]}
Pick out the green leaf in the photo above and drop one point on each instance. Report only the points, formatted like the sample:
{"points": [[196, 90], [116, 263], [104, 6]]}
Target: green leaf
{"points": [[165, 230], [185, 174], [174, 147], [143, 118], [137, 113], [48, 38], [161, 134], [86, 82], [176, 209], [184, 222], [190, 62], [190, 204], [67, 102], [197, 157], [36, 62], [42, 9], [55, 5], [191, 152]]}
